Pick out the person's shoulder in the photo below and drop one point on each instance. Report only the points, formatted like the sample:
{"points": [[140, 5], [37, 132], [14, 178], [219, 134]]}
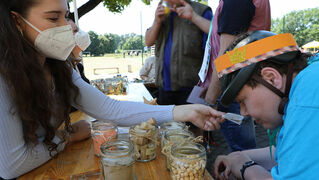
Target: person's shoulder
{"points": [[305, 79], [150, 59]]}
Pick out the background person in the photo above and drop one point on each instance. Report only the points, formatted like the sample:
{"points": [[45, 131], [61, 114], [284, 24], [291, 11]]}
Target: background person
{"points": [[147, 73], [38, 87], [233, 17], [82, 40], [180, 38]]}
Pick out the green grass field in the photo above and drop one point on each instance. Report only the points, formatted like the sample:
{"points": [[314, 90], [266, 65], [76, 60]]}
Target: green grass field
{"points": [[111, 64]]}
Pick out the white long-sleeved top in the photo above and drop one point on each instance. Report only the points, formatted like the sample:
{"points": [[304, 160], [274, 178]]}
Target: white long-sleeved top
{"points": [[17, 158]]}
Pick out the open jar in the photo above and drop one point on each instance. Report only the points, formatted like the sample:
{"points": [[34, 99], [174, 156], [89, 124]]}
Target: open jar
{"points": [[102, 132], [166, 6], [144, 139], [188, 161], [168, 126], [117, 160], [172, 137]]}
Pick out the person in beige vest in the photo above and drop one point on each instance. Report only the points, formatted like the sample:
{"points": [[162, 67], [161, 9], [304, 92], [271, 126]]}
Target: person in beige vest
{"points": [[179, 31]]}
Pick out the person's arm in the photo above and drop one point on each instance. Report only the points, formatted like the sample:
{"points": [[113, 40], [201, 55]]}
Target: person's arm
{"points": [[186, 11], [265, 163], [262, 157], [126, 113], [152, 32], [213, 91], [232, 163], [235, 18], [16, 156]]}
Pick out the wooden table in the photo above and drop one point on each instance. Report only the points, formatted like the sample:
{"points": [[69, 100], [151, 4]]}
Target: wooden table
{"points": [[78, 161]]}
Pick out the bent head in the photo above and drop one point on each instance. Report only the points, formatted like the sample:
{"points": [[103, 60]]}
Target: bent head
{"points": [[255, 74]]}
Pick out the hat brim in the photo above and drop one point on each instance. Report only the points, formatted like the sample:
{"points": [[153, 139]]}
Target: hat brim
{"points": [[236, 84]]}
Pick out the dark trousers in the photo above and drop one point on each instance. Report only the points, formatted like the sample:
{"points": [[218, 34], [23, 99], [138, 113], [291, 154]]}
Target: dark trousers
{"points": [[238, 137], [173, 97]]}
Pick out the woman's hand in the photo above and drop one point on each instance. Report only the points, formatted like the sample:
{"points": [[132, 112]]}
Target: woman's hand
{"points": [[202, 116], [81, 131], [230, 164]]}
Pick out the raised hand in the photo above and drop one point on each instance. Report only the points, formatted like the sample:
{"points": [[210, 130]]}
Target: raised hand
{"points": [[184, 11], [159, 14]]}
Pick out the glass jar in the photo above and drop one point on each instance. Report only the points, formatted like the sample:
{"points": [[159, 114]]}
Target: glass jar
{"points": [[188, 161], [117, 160], [170, 138], [102, 132], [170, 126], [166, 7], [145, 142]]}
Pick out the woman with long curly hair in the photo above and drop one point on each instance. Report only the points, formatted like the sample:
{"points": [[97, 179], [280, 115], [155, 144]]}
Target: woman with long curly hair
{"points": [[38, 88]]}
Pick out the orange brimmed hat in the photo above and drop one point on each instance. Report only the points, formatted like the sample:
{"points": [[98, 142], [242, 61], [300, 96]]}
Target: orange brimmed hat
{"points": [[235, 67]]}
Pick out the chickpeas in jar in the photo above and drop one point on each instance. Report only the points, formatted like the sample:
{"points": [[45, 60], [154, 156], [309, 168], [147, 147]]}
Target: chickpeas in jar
{"points": [[170, 138], [188, 161]]}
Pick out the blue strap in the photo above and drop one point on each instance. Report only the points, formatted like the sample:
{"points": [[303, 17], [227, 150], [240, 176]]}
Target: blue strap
{"points": [[210, 29]]}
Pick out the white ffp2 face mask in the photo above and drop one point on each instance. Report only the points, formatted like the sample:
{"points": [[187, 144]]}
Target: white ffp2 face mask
{"points": [[82, 39], [56, 43]]}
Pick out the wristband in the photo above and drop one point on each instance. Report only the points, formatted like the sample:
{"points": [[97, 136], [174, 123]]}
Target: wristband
{"points": [[245, 166]]}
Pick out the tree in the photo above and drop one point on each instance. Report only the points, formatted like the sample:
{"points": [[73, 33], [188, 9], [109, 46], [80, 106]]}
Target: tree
{"points": [[303, 24], [115, 6], [95, 44], [110, 43], [133, 43]]}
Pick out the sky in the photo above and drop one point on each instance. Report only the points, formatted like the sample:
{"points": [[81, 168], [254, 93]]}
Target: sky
{"points": [[101, 21]]}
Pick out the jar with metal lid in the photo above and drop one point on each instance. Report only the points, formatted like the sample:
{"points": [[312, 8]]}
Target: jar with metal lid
{"points": [[170, 126], [102, 132], [188, 161], [144, 138], [174, 136], [117, 160]]}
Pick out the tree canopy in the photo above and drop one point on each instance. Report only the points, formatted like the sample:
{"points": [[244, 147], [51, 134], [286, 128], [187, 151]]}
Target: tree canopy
{"points": [[115, 6], [303, 24], [111, 43]]}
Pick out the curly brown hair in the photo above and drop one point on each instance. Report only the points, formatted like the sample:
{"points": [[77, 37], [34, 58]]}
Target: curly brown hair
{"points": [[32, 94]]}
